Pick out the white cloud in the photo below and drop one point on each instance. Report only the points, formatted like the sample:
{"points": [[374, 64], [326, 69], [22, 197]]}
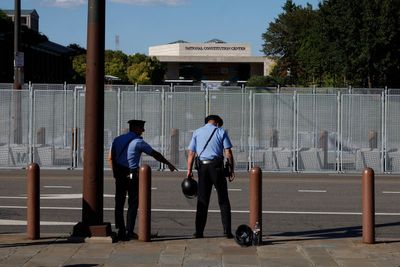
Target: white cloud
{"points": [[151, 2], [65, 3]]}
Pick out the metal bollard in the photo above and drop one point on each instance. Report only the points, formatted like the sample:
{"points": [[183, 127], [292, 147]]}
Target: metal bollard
{"points": [[144, 203], [368, 206], [33, 201], [256, 199]]}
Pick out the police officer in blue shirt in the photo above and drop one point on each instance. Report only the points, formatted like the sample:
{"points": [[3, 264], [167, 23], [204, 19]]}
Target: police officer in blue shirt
{"points": [[124, 158], [211, 171]]}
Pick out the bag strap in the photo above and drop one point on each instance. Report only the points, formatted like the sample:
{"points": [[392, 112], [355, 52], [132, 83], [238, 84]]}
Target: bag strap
{"points": [[207, 142]]}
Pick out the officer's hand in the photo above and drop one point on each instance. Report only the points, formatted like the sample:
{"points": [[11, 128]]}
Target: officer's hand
{"points": [[231, 177], [172, 167], [189, 174]]}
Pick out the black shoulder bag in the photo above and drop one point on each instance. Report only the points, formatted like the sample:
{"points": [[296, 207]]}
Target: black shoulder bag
{"points": [[197, 158]]}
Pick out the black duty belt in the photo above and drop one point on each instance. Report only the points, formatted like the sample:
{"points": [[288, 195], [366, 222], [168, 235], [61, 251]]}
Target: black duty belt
{"points": [[211, 161], [136, 170]]}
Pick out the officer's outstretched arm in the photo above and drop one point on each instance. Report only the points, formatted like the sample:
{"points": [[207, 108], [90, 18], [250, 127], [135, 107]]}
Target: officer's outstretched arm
{"points": [[157, 155], [190, 160]]}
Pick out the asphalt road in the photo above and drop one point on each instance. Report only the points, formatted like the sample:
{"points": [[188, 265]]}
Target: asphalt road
{"points": [[322, 205]]}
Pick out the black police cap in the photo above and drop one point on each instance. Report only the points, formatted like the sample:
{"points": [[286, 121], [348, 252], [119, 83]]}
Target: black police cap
{"points": [[136, 122]]}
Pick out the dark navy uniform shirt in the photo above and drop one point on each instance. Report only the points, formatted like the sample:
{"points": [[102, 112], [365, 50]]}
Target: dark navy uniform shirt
{"points": [[119, 148]]}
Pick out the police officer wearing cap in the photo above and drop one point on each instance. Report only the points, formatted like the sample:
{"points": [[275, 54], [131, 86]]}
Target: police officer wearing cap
{"points": [[211, 171], [124, 157]]}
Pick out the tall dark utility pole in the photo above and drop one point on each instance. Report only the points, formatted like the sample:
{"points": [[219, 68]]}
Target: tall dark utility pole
{"points": [[16, 122], [92, 203], [18, 56]]}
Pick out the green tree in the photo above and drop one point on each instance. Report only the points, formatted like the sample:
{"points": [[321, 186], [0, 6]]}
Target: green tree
{"points": [[261, 81], [283, 38], [116, 64], [138, 73], [136, 58], [79, 68], [146, 70]]}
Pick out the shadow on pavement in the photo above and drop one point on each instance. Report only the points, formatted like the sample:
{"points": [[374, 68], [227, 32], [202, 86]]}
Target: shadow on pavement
{"points": [[22, 241], [334, 233]]}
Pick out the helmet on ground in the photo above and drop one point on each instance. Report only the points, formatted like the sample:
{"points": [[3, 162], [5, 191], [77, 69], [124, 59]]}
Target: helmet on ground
{"points": [[189, 187], [244, 235]]}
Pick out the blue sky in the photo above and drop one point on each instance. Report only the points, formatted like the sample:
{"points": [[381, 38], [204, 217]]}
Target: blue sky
{"points": [[143, 23]]}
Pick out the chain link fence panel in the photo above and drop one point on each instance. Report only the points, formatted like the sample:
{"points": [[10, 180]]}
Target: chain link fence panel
{"points": [[308, 131], [15, 141]]}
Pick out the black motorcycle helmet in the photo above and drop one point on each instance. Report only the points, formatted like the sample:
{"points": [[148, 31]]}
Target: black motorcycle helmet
{"points": [[189, 187], [244, 235]]}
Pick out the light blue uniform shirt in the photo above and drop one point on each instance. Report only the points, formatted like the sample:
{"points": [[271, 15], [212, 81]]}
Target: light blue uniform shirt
{"points": [[135, 149], [216, 146], [119, 148]]}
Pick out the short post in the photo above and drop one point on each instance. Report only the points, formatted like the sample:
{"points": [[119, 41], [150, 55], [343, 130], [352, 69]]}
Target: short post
{"points": [[256, 199], [323, 143], [273, 137], [33, 201], [144, 203], [41, 136], [373, 139], [368, 206], [174, 148]]}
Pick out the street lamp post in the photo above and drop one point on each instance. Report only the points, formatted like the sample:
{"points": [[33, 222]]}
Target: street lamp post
{"points": [[93, 189], [16, 121]]}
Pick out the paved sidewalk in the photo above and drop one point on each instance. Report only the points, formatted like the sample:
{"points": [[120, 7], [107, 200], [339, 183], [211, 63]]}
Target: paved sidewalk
{"points": [[16, 250]]}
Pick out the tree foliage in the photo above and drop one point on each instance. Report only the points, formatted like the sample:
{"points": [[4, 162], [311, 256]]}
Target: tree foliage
{"points": [[115, 64], [341, 43], [147, 71], [137, 68], [261, 81]]}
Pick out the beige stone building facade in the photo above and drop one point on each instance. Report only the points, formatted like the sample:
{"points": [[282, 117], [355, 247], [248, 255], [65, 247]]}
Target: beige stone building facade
{"points": [[212, 60]]}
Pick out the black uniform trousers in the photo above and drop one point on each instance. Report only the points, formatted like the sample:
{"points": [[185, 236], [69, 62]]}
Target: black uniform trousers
{"points": [[123, 185], [209, 175]]}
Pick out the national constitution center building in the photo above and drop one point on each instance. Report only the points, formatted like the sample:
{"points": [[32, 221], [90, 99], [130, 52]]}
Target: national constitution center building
{"points": [[212, 60]]}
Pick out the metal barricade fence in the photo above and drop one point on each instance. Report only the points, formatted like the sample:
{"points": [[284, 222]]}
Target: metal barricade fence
{"points": [[287, 132]]}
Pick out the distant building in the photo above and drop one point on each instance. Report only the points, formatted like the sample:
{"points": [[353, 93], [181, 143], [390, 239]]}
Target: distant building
{"points": [[29, 18], [212, 60], [44, 61]]}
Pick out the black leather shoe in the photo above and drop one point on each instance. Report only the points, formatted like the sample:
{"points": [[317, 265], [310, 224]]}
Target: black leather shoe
{"points": [[132, 235], [197, 235], [228, 235], [122, 235]]}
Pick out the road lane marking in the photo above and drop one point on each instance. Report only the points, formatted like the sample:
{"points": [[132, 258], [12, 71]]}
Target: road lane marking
{"points": [[21, 222], [311, 191], [233, 189], [58, 186], [217, 211], [390, 192], [54, 196]]}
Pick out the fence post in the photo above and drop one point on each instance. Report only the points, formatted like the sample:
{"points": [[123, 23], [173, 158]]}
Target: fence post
{"points": [[368, 206], [33, 201], [75, 147], [144, 203], [256, 199]]}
